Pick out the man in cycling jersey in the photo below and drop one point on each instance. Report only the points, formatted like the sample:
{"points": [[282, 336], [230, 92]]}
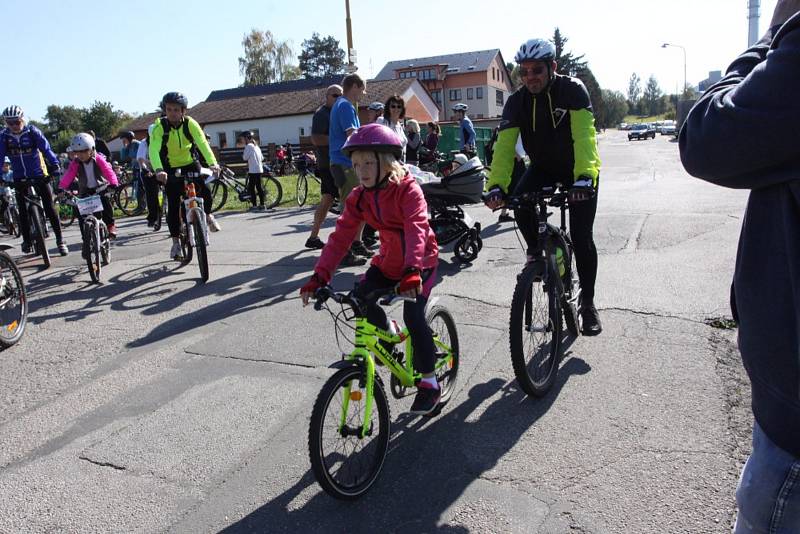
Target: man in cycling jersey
{"points": [[467, 129], [553, 114], [172, 158], [32, 162]]}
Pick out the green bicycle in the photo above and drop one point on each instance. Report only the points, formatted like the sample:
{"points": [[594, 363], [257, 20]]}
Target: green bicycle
{"points": [[349, 434]]}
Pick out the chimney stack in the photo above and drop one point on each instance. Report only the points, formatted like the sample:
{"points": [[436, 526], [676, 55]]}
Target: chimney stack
{"points": [[753, 8]]}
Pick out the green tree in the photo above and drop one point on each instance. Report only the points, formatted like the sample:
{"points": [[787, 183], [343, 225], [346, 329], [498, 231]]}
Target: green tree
{"points": [[595, 93], [568, 63], [63, 118], [103, 119], [615, 108], [651, 98], [266, 60], [634, 92], [321, 57]]}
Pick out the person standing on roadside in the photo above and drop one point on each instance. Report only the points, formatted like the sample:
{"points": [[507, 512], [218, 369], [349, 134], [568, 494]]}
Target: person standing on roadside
{"points": [[255, 159], [344, 122], [739, 135]]}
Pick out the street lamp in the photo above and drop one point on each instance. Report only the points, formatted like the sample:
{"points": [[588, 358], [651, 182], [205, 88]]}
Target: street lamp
{"points": [[684, 62]]}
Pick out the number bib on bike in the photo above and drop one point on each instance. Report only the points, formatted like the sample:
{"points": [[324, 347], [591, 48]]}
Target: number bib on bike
{"points": [[89, 205]]}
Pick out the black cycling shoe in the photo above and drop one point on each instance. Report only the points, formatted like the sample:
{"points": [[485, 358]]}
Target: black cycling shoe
{"points": [[26, 248], [359, 249], [314, 243], [591, 320], [352, 260], [504, 217]]}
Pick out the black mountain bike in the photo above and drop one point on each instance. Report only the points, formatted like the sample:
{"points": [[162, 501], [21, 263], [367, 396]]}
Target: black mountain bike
{"points": [[35, 210], [547, 291], [13, 300], [273, 191], [10, 213]]}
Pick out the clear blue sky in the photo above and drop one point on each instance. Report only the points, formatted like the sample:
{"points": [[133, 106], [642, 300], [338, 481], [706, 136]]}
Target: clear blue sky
{"points": [[130, 53]]}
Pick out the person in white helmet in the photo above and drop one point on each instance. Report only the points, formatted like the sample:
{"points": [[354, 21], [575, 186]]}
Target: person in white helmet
{"points": [[466, 127], [553, 115]]}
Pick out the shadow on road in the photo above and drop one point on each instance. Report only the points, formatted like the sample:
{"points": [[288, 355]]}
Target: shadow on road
{"points": [[429, 466]]}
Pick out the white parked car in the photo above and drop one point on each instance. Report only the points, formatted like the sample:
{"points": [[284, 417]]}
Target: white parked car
{"points": [[667, 128]]}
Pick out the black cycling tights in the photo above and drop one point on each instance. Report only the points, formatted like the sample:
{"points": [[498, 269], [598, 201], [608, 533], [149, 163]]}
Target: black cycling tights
{"points": [[413, 316], [581, 223], [46, 193], [174, 190]]}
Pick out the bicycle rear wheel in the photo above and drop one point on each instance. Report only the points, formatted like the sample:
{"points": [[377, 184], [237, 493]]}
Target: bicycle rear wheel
{"points": [[302, 189], [37, 234], [93, 252], [345, 464], [443, 327], [202, 253], [13, 302], [535, 330], [273, 191], [125, 199]]}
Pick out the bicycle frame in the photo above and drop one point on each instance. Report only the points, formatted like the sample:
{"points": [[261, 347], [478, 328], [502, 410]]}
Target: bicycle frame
{"points": [[193, 209]]}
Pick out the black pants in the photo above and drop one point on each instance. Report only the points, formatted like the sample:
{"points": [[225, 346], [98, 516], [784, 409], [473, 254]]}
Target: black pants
{"points": [[581, 224], [253, 185], [46, 193], [108, 214], [413, 317], [151, 186], [174, 190]]}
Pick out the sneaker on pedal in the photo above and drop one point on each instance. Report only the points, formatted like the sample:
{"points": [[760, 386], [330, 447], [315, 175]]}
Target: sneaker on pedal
{"points": [[213, 225], [176, 253], [314, 243], [62, 249], [426, 400], [112, 231], [591, 320], [351, 260], [358, 249], [26, 247]]}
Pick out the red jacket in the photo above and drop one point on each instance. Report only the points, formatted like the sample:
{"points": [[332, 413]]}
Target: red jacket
{"points": [[399, 212]]}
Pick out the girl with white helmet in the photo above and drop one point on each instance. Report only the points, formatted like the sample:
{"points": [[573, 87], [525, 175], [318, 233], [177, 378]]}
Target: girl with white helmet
{"points": [[93, 174]]}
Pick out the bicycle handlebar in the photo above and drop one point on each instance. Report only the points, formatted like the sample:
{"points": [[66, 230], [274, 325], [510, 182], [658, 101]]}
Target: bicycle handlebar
{"points": [[550, 195]]}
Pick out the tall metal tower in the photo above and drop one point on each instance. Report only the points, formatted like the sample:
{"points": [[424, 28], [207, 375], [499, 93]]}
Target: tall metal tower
{"points": [[753, 12]]}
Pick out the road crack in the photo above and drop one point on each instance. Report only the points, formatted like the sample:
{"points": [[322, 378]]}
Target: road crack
{"points": [[103, 464]]}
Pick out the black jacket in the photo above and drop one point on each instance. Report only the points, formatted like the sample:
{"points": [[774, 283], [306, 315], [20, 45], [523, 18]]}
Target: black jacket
{"points": [[743, 133]]}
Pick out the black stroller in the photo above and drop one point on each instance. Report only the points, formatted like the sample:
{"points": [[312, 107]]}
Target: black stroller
{"points": [[448, 220]]}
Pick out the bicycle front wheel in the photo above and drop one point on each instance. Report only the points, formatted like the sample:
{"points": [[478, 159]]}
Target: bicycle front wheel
{"points": [[273, 191], [93, 259], [445, 336], [202, 252], [38, 231], [535, 330], [125, 199], [13, 302], [302, 189], [66, 214], [344, 463]]}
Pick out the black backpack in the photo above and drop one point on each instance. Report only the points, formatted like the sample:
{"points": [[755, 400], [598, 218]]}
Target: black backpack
{"points": [[196, 154]]}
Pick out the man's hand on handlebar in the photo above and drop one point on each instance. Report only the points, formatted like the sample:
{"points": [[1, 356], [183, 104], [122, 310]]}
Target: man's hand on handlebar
{"points": [[494, 198], [581, 190], [161, 176]]}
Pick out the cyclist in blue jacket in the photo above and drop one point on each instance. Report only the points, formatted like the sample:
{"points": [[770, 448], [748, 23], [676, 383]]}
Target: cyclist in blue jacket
{"points": [[32, 163]]}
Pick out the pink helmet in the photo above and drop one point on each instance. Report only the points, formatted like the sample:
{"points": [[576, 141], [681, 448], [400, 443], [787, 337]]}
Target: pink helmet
{"points": [[375, 138]]}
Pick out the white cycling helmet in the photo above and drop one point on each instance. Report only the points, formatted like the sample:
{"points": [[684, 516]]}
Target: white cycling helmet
{"points": [[7, 160], [460, 107], [13, 112], [375, 106], [82, 141], [536, 50]]}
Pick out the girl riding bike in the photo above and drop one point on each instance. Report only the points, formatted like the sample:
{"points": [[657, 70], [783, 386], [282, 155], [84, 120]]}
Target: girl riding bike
{"points": [[389, 200]]}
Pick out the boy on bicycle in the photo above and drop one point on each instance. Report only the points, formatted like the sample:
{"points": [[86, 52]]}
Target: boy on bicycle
{"points": [[171, 150], [388, 199]]}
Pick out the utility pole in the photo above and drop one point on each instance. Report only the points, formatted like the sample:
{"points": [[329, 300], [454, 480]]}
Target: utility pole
{"points": [[351, 53], [753, 12]]}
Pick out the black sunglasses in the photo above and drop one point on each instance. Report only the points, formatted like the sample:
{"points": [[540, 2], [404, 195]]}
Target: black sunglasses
{"points": [[535, 71], [14, 122], [396, 106], [335, 95]]}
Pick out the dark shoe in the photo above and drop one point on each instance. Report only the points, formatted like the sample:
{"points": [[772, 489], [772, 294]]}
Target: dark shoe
{"points": [[157, 225], [314, 243], [336, 209], [369, 241], [505, 217], [359, 249], [62, 249], [591, 320], [352, 261], [426, 400], [26, 247], [150, 224]]}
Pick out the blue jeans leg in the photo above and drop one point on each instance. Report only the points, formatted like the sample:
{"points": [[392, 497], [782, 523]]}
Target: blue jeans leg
{"points": [[768, 494]]}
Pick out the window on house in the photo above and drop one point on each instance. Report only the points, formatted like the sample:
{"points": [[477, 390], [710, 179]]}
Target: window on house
{"points": [[222, 140], [499, 97], [413, 74], [455, 94], [479, 93], [302, 131], [469, 93], [437, 96]]}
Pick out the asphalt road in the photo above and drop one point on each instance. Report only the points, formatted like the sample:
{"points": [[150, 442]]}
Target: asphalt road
{"points": [[153, 403]]}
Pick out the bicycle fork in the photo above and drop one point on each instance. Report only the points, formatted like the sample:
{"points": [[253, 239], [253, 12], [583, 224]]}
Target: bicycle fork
{"points": [[356, 396]]}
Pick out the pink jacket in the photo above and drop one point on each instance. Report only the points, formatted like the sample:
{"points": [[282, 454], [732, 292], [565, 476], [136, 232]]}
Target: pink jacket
{"points": [[399, 212], [72, 172]]}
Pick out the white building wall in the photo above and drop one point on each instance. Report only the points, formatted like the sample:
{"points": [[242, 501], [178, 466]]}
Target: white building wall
{"points": [[276, 130]]}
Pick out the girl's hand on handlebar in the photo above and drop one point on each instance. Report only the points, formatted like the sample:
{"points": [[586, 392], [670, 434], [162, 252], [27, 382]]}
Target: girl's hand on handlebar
{"points": [[410, 285], [310, 288]]}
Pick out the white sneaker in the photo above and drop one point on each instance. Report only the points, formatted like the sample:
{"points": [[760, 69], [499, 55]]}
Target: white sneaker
{"points": [[212, 223], [176, 253]]}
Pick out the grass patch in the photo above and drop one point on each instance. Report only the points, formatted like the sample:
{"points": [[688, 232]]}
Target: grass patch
{"points": [[635, 119]]}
